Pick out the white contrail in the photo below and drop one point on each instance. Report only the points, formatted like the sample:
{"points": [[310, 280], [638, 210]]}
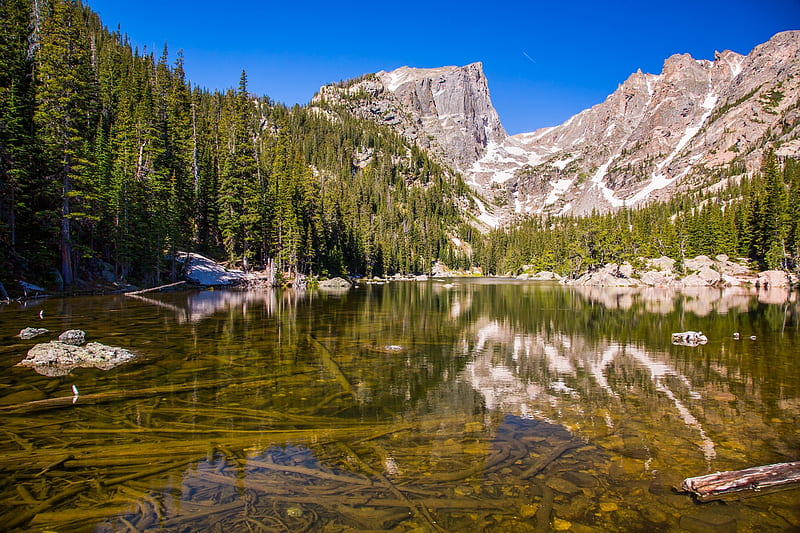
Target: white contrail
{"points": [[529, 57]]}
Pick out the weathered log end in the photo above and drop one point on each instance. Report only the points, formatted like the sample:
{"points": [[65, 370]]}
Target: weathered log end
{"points": [[737, 484]]}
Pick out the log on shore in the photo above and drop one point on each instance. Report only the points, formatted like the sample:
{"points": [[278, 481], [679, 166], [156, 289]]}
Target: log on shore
{"points": [[736, 484]]}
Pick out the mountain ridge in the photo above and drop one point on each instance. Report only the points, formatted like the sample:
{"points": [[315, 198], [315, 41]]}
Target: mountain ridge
{"points": [[695, 124]]}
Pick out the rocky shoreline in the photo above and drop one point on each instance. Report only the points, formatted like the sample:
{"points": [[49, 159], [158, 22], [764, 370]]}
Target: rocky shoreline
{"points": [[701, 271]]}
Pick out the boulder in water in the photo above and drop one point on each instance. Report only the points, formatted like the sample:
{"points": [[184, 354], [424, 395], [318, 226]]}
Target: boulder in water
{"points": [[75, 337], [59, 359], [29, 333], [335, 283]]}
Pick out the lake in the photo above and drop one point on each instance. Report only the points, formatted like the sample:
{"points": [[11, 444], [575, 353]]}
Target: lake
{"points": [[457, 405]]}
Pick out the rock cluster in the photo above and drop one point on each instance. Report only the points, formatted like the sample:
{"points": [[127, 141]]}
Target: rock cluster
{"points": [[59, 358], [701, 271]]}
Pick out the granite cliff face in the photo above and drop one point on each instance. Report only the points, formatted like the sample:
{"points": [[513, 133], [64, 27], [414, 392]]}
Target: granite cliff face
{"points": [[696, 124], [445, 110]]}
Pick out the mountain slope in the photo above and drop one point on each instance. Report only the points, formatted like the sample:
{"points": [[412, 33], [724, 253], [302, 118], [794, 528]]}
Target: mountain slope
{"points": [[680, 129], [693, 125]]}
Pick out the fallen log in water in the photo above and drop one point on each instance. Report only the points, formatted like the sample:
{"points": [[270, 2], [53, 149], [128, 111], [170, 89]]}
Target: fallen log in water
{"points": [[736, 484], [151, 289]]}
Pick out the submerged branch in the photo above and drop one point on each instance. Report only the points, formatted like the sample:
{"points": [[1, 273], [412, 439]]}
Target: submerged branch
{"points": [[333, 367]]}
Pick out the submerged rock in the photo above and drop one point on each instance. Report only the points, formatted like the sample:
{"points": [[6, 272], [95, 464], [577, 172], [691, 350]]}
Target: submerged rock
{"points": [[29, 333], [59, 359]]}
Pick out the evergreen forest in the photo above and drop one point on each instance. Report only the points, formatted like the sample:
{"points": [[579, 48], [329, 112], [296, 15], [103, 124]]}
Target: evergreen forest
{"points": [[108, 155], [756, 217], [111, 158]]}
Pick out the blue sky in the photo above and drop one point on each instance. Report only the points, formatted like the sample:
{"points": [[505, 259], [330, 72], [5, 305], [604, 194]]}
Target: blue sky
{"points": [[545, 61]]}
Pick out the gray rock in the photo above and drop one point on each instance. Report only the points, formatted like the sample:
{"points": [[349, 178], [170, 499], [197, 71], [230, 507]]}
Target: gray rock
{"points": [[76, 337], [29, 333], [709, 275], [626, 270], [335, 283], [59, 359], [693, 280], [657, 279], [207, 272], [773, 278], [663, 263], [698, 263]]}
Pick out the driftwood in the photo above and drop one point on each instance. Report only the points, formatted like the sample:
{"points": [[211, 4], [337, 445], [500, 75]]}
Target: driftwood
{"points": [[749, 482], [154, 288], [689, 338]]}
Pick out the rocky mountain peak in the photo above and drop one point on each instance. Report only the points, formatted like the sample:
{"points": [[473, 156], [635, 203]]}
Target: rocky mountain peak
{"points": [[447, 110], [679, 129], [688, 126]]}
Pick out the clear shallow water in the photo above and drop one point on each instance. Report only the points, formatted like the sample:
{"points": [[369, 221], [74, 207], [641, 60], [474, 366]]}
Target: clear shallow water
{"points": [[481, 406]]}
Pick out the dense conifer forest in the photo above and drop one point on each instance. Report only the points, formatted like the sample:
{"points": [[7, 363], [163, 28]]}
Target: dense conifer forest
{"points": [[110, 157]]}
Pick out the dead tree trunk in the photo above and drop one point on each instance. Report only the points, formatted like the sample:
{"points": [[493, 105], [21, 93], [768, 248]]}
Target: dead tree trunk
{"points": [[749, 482]]}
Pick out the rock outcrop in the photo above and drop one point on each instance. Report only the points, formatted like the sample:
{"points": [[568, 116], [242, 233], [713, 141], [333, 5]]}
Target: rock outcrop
{"points": [[207, 272], [446, 110], [774, 278], [335, 283], [701, 271]]}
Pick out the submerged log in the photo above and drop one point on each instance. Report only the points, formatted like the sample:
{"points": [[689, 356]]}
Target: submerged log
{"points": [[736, 484]]}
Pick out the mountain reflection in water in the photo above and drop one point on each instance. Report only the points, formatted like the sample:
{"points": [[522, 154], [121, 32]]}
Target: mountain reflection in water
{"points": [[465, 406]]}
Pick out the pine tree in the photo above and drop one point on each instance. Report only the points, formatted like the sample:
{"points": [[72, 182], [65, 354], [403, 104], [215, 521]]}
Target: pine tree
{"points": [[17, 144], [63, 73], [238, 202]]}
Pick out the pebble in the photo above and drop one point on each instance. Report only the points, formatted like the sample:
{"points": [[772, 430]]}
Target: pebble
{"points": [[608, 507], [528, 510], [562, 485], [294, 512], [561, 525]]}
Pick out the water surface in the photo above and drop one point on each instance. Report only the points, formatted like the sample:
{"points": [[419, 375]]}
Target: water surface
{"points": [[472, 405]]}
